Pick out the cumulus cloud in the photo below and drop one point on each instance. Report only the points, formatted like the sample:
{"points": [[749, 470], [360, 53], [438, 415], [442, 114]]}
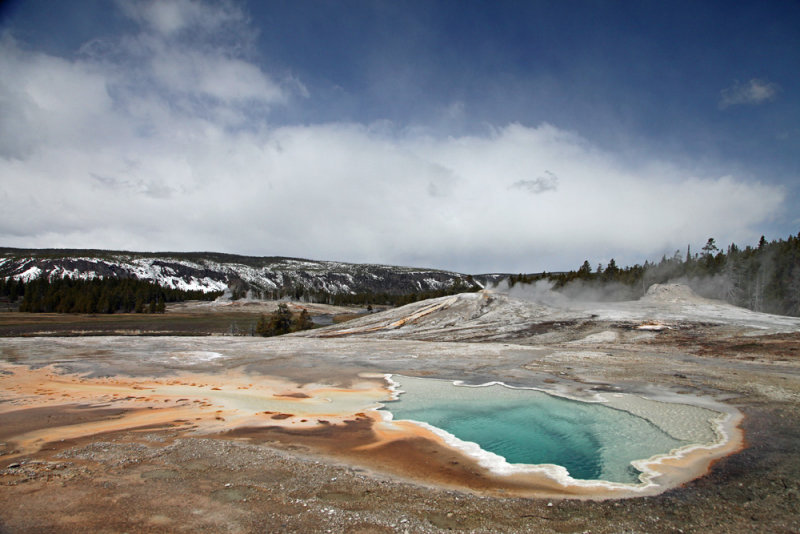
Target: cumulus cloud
{"points": [[115, 150], [753, 92]]}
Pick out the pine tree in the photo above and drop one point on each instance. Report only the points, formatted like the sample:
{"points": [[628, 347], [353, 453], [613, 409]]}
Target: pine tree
{"points": [[710, 248], [303, 322], [262, 327]]}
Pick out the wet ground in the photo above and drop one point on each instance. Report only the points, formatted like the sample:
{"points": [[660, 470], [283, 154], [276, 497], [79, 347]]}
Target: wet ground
{"points": [[166, 478]]}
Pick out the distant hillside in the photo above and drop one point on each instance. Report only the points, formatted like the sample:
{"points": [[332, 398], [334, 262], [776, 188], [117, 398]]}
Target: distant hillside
{"points": [[258, 277]]}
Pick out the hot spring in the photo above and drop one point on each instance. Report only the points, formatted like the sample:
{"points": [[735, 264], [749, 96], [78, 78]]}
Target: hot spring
{"points": [[528, 427]]}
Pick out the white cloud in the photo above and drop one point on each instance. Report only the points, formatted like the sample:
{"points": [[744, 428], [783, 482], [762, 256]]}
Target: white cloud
{"points": [[171, 17], [194, 57], [216, 76], [45, 99], [133, 150], [753, 92]]}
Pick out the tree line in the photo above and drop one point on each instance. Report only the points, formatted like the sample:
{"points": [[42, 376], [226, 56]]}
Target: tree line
{"points": [[364, 299], [126, 295], [106, 295], [764, 277]]}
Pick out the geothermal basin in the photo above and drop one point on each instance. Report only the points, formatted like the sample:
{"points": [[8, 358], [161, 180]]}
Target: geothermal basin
{"points": [[666, 414], [546, 440]]}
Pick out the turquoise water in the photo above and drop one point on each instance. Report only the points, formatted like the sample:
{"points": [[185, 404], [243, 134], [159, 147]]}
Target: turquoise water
{"points": [[590, 440]]}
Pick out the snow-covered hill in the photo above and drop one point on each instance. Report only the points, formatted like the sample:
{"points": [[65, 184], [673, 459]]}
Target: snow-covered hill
{"points": [[270, 277]]}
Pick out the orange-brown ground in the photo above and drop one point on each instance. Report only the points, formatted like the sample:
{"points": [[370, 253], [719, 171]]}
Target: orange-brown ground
{"points": [[342, 422]]}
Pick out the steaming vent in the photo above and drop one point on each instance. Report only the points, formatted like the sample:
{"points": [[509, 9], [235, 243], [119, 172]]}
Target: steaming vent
{"points": [[671, 293]]}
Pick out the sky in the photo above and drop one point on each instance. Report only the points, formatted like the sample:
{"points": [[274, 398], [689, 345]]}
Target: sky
{"points": [[475, 136]]}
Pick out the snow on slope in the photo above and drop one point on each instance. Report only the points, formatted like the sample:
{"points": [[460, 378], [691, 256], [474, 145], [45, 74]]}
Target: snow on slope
{"points": [[215, 272]]}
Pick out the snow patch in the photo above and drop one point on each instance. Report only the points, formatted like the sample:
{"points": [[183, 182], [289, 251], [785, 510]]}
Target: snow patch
{"points": [[31, 274]]}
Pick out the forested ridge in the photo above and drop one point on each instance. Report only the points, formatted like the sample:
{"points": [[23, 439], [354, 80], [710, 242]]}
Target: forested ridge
{"points": [[108, 295], [114, 295], [265, 278], [764, 277]]}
